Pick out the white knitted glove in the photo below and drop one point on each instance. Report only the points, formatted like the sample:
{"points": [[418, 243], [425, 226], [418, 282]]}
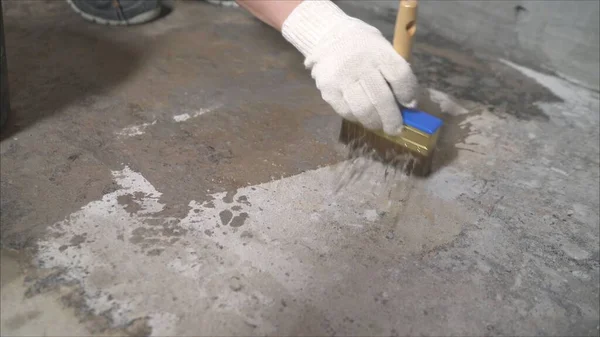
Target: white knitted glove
{"points": [[356, 69]]}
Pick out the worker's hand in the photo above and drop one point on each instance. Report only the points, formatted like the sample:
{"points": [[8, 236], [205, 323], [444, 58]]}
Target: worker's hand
{"points": [[356, 69]]}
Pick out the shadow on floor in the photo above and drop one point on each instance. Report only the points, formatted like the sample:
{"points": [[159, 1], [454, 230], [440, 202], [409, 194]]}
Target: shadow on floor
{"points": [[51, 65]]}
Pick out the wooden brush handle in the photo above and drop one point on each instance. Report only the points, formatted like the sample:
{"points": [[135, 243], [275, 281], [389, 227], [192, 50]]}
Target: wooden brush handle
{"points": [[406, 26]]}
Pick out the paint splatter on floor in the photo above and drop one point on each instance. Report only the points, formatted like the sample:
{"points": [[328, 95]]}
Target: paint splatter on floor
{"points": [[124, 249]]}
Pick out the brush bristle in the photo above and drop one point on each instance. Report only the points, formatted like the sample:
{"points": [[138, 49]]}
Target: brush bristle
{"points": [[362, 141]]}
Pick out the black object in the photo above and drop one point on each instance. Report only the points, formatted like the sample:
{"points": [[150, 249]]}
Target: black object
{"points": [[117, 12], [4, 93]]}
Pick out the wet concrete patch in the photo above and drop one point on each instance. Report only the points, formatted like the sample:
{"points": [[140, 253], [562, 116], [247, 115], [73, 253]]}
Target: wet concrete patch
{"points": [[238, 220], [225, 216], [129, 201]]}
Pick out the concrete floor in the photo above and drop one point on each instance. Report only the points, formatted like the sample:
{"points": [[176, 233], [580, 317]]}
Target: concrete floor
{"points": [[184, 178]]}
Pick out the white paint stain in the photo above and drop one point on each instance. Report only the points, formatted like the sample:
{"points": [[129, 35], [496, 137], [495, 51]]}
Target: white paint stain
{"points": [[447, 104], [560, 87], [140, 129], [371, 215], [134, 130], [557, 170], [129, 268], [574, 251], [185, 116], [182, 118], [97, 219]]}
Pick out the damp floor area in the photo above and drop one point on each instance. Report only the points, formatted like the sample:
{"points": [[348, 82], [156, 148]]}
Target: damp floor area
{"points": [[184, 177]]}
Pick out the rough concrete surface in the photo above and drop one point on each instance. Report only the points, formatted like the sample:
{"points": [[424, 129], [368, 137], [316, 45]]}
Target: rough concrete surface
{"points": [[184, 178]]}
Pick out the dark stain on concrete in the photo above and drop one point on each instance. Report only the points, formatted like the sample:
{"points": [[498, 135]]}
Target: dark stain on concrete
{"points": [[110, 187], [78, 239], [158, 221], [129, 203], [239, 220], [208, 232], [75, 241], [43, 281], [235, 284], [139, 195], [173, 229], [139, 234], [209, 204], [154, 252], [161, 232], [244, 200], [218, 156], [139, 327], [228, 198], [172, 209], [246, 235], [225, 216], [236, 208], [135, 239]]}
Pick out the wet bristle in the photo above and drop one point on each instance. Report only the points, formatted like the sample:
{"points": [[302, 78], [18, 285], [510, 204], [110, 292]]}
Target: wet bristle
{"points": [[362, 142]]}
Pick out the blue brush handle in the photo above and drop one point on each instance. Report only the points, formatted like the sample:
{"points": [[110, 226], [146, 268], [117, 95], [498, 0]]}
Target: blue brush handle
{"points": [[421, 120]]}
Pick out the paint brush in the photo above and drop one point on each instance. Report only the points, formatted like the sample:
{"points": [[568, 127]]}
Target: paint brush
{"points": [[419, 135]]}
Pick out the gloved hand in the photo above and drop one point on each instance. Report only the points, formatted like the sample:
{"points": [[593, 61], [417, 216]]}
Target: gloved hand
{"points": [[356, 69]]}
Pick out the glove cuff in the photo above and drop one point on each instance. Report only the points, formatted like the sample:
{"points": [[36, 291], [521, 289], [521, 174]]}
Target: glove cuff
{"points": [[309, 22]]}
